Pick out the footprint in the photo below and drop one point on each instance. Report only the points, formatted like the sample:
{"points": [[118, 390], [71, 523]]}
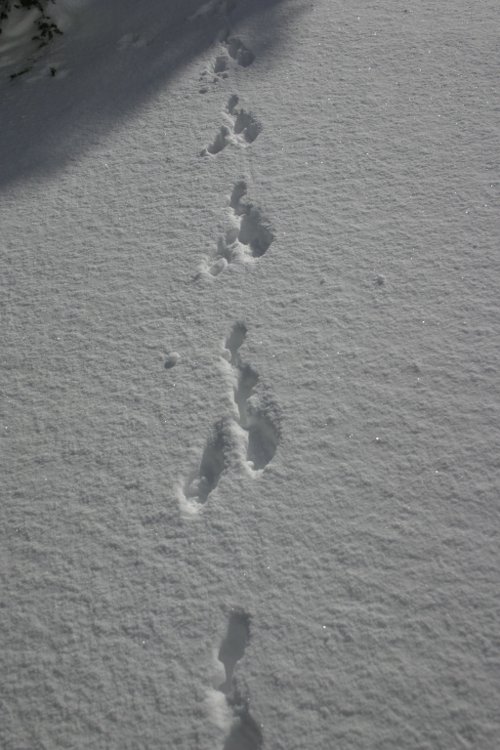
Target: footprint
{"points": [[204, 480], [220, 71], [235, 340], [245, 733], [254, 230], [262, 441], [222, 139], [249, 237], [263, 437], [240, 189], [244, 122], [239, 52], [244, 128], [255, 234], [233, 646]]}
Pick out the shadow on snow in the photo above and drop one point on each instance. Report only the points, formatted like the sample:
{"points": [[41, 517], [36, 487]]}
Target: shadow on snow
{"points": [[43, 125]]}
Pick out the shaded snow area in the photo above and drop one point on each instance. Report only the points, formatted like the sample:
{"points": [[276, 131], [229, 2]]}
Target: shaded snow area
{"points": [[250, 376]]}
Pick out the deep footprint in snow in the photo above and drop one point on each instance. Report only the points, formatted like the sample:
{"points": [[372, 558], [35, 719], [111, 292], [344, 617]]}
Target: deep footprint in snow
{"points": [[249, 237], [239, 52], [245, 733], [239, 192], [235, 340], [254, 230], [245, 123], [233, 646], [254, 233], [219, 72], [263, 438], [222, 139], [204, 480], [262, 441], [243, 130]]}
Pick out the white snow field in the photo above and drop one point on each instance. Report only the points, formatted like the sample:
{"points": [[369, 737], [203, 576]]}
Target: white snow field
{"points": [[250, 376]]}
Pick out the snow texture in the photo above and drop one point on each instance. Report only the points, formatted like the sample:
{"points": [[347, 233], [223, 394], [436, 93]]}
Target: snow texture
{"points": [[250, 356]]}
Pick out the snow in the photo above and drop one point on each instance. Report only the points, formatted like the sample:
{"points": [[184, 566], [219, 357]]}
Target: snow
{"points": [[250, 394]]}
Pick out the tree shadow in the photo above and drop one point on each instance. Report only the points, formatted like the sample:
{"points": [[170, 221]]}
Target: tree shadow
{"points": [[119, 55]]}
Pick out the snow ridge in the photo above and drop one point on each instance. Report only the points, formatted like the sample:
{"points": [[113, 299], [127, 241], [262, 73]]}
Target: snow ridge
{"points": [[254, 436]]}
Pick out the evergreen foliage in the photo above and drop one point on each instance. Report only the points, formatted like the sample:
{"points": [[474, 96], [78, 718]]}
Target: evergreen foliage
{"points": [[46, 29]]}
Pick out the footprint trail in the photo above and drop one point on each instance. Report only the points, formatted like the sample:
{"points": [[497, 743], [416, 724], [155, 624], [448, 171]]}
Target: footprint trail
{"points": [[253, 423]]}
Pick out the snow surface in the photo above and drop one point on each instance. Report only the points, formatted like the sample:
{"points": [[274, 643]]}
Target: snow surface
{"points": [[250, 393]]}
